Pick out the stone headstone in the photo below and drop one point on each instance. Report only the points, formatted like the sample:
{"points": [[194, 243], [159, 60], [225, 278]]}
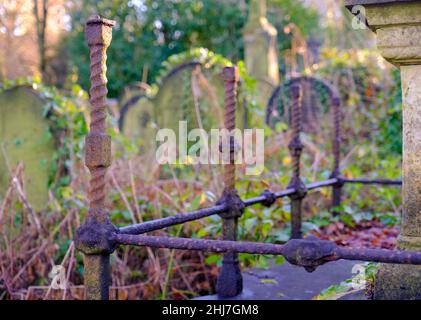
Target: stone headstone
{"points": [[261, 51], [313, 50], [315, 104], [24, 137], [131, 91], [188, 92], [193, 93], [137, 122]]}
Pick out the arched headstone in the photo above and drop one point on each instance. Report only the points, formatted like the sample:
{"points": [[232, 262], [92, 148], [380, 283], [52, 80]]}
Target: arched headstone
{"points": [[191, 92], [24, 137], [132, 91], [137, 122], [194, 93], [260, 51], [316, 98]]}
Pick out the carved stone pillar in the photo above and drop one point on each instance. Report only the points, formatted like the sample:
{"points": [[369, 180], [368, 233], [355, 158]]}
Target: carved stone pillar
{"points": [[397, 25]]}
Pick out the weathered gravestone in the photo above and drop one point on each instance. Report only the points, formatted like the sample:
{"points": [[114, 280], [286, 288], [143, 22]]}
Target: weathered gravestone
{"points": [[137, 123], [260, 50], [194, 93], [131, 92], [315, 102], [136, 114], [24, 137]]}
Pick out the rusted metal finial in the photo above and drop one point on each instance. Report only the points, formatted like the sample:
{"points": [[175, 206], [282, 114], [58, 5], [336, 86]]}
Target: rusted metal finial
{"points": [[230, 75], [296, 148], [93, 238], [98, 144], [230, 281]]}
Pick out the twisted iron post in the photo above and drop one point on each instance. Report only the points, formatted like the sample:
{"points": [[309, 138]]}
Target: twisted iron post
{"points": [[296, 148], [93, 237], [336, 145], [230, 281]]}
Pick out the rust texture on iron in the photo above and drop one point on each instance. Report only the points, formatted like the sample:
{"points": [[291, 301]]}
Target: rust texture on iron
{"points": [[230, 76], [309, 252], [396, 182], [230, 281], [98, 143], [296, 148], [336, 145], [296, 126], [93, 238], [173, 220], [336, 148]]}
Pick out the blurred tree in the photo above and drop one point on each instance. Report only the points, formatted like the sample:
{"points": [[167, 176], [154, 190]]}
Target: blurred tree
{"points": [[41, 14], [149, 31], [16, 39], [282, 13], [29, 32]]}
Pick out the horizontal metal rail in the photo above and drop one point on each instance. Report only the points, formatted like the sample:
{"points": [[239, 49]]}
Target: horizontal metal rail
{"points": [[198, 244], [320, 184], [260, 199], [162, 223], [374, 181], [206, 212], [309, 252]]}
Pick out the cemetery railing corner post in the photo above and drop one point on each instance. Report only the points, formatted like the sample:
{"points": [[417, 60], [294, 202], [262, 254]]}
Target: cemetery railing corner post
{"points": [[93, 237]]}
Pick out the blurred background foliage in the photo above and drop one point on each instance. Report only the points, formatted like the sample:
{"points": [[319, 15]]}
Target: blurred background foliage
{"points": [[150, 32]]}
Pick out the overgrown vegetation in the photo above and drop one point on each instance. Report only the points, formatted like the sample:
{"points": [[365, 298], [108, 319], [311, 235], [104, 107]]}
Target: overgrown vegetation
{"points": [[361, 284]]}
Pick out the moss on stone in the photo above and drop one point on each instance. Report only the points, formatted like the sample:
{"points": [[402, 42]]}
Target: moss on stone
{"points": [[397, 282], [25, 137]]}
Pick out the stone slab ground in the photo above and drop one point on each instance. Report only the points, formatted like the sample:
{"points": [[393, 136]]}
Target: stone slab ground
{"points": [[288, 282]]}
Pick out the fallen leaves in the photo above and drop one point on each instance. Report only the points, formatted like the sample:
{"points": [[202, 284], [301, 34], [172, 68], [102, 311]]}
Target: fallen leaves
{"points": [[367, 234]]}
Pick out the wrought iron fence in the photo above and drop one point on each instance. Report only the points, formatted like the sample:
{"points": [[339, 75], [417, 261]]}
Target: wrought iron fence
{"points": [[97, 238]]}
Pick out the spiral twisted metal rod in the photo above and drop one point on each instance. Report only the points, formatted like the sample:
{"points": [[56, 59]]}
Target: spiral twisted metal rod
{"points": [[230, 75], [295, 145], [98, 34], [98, 91], [337, 135]]}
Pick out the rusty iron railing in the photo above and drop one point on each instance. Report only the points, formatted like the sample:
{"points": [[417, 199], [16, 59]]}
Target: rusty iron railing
{"points": [[97, 238], [334, 102]]}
